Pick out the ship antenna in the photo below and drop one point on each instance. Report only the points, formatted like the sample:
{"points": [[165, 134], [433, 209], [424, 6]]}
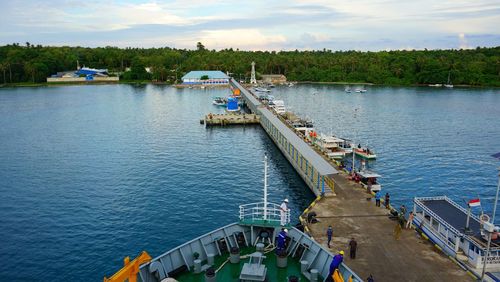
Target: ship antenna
{"points": [[265, 186]]}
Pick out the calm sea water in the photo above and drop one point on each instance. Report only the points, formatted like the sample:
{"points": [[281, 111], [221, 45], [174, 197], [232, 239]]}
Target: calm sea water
{"points": [[90, 174]]}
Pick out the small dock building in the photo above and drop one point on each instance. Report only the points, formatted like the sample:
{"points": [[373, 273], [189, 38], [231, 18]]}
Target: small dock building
{"points": [[205, 78]]}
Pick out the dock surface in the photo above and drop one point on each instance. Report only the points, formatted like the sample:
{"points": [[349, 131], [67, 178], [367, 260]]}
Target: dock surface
{"points": [[411, 258], [230, 119]]}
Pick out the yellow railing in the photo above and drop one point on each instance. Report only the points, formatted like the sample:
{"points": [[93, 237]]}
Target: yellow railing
{"points": [[130, 269]]}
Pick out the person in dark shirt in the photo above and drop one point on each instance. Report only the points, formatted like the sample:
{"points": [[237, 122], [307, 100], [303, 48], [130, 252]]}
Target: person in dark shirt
{"points": [[353, 245], [329, 233], [387, 200]]}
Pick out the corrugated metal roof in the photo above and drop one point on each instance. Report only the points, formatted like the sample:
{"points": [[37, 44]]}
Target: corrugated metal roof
{"points": [[322, 166], [210, 74]]}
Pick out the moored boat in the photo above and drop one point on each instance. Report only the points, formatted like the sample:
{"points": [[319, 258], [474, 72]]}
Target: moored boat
{"points": [[330, 145], [360, 90], [444, 222], [220, 101], [365, 152], [261, 89], [278, 106]]}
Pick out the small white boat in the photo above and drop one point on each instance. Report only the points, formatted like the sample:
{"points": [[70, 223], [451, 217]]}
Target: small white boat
{"points": [[436, 85], [330, 145], [261, 89], [278, 106], [220, 101], [347, 89], [291, 84], [360, 90], [365, 153]]}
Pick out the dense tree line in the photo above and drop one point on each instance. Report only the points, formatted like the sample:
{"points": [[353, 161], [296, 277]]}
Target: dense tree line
{"points": [[480, 66]]}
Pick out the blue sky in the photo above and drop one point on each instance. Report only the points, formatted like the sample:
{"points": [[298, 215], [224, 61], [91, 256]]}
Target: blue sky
{"points": [[254, 25]]}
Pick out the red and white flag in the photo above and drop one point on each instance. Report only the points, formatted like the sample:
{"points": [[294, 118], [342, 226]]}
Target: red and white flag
{"points": [[474, 203]]}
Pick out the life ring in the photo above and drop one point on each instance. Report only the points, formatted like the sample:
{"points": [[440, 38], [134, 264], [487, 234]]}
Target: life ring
{"points": [[484, 218]]}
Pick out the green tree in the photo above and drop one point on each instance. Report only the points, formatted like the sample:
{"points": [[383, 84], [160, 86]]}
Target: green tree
{"points": [[200, 46]]}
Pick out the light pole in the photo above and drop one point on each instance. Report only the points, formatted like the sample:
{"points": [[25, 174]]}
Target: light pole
{"points": [[490, 231]]}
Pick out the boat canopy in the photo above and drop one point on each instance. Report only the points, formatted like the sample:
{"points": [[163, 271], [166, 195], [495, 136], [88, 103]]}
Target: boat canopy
{"points": [[368, 174], [331, 139]]}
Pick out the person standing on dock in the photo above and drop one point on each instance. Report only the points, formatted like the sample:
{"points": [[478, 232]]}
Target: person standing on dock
{"points": [[397, 231], [403, 210], [387, 201], [377, 198], [329, 233], [409, 221], [283, 210], [353, 246]]}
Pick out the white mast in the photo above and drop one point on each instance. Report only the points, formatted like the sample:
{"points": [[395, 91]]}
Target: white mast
{"points": [[252, 78], [265, 187]]}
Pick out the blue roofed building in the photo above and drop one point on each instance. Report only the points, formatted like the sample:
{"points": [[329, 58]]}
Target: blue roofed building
{"points": [[206, 78]]}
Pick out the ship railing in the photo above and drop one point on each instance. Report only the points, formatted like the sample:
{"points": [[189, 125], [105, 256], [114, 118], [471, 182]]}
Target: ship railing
{"points": [[419, 201], [432, 214], [257, 213]]}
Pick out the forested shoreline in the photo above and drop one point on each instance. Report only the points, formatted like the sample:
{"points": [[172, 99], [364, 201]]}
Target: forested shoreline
{"points": [[476, 67]]}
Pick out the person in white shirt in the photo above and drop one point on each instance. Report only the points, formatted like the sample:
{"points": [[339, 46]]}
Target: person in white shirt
{"points": [[283, 210]]}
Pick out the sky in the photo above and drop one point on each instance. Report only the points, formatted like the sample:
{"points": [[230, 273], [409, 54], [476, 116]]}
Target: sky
{"points": [[366, 25]]}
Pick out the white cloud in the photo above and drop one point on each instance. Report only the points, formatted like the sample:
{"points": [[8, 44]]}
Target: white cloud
{"points": [[247, 39], [282, 24]]}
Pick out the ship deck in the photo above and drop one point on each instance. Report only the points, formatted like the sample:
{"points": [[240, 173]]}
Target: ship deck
{"points": [[231, 272], [453, 216]]}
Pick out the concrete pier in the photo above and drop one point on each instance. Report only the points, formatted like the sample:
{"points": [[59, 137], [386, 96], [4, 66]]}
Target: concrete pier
{"points": [[352, 213], [230, 119]]}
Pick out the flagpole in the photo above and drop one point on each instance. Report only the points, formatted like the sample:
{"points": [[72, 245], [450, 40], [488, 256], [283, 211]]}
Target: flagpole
{"points": [[489, 233]]}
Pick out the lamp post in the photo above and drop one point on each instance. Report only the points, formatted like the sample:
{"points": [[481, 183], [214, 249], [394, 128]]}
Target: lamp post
{"points": [[489, 233]]}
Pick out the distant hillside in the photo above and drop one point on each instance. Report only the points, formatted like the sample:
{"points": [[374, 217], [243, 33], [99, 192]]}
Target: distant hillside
{"points": [[478, 67]]}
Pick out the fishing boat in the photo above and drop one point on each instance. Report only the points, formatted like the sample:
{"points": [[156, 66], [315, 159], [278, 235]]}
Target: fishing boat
{"points": [[365, 153], [245, 250], [360, 90], [302, 125], [346, 146], [459, 234], [278, 106], [330, 145], [261, 89], [220, 101]]}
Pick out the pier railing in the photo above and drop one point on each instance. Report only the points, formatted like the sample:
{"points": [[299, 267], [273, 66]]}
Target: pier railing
{"points": [[255, 213]]}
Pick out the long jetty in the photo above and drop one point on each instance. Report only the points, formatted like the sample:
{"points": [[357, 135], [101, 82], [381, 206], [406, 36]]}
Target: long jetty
{"points": [[352, 213]]}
